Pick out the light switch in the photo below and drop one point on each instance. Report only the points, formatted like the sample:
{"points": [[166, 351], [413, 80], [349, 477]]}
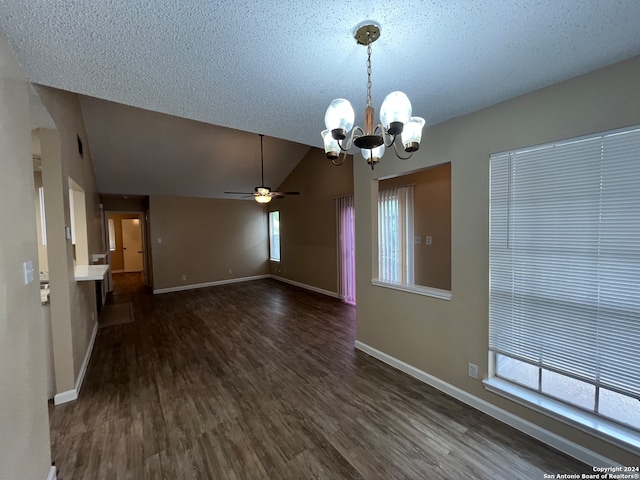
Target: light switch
{"points": [[159, 240]]}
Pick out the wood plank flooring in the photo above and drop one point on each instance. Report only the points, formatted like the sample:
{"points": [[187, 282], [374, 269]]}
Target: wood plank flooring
{"points": [[260, 380]]}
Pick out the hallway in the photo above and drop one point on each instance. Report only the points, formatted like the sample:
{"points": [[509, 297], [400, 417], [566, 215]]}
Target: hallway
{"points": [[126, 286]]}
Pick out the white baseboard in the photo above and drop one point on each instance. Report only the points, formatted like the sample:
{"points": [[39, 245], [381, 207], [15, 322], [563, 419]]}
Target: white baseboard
{"points": [[70, 395], [307, 287], [52, 473], [556, 441], [208, 284], [66, 396]]}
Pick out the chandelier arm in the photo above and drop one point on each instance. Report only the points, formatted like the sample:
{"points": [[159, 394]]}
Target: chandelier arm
{"points": [[395, 149], [349, 143], [343, 149], [388, 135], [344, 158]]}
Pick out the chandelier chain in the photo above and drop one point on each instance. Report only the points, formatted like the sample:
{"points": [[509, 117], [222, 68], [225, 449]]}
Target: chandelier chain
{"points": [[369, 102]]}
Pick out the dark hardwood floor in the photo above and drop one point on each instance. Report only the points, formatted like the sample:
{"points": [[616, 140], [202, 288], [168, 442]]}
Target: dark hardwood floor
{"points": [[260, 380]]}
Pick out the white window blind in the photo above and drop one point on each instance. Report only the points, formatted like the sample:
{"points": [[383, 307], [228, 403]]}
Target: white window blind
{"points": [[395, 235], [564, 259], [346, 248]]}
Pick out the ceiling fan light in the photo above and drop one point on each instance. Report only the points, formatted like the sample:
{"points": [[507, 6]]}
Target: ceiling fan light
{"points": [[262, 198], [396, 108], [339, 118], [331, 147], [412, 134]]}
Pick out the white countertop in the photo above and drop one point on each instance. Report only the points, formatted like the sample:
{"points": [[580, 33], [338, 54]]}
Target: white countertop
{"points": [[84, 273], [95, 257]]}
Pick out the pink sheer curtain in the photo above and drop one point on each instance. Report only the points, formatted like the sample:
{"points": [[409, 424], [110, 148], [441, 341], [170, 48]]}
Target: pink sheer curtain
{"points": [[346, 249]]}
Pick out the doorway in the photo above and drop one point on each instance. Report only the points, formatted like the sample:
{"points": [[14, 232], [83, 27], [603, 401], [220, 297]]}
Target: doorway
{"points": [[126, 240]]}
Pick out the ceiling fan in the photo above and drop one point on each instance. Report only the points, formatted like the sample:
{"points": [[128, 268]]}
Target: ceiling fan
{"points": [[263, 194]]}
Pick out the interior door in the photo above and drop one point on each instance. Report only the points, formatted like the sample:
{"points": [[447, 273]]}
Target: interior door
{"points": [[132, 245]]}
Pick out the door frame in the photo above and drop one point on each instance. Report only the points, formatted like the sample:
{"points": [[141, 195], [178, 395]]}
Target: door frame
{"points": [[142, 216]]}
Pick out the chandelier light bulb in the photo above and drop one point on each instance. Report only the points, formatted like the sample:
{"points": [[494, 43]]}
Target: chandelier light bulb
{"points": [[395, 109], [373, 155], [412, 134], [339, 118], [331, 146]]}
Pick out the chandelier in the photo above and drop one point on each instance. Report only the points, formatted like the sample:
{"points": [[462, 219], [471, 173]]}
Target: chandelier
{"points": [[395, 118]]}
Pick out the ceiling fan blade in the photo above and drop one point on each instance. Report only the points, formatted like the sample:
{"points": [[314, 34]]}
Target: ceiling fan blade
{"points": [[240, 193], [284, 194]]}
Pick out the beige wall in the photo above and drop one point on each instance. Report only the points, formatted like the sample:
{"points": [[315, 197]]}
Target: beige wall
{"points": [[73, 304], [439, 336], [117, 203], [204, 238], [432, 217], [117, 255], [308, 222], [25, 452]]}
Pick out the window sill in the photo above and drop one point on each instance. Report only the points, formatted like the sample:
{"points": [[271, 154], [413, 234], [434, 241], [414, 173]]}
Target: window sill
{"points": [[602, 428], [417, 289]]}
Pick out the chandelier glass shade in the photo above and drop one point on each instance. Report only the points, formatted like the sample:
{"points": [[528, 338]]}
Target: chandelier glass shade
{"points": [[372, 139]]}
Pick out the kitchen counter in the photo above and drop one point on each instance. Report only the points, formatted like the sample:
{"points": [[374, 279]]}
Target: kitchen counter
{"points": [[85, 273]]}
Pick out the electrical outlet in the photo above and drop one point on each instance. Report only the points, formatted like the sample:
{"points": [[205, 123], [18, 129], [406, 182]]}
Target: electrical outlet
{"points": [[417, 239], [428, 240], [473, 370], [184, 277]]}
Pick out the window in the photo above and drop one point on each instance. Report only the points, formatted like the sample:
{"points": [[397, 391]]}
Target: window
{"points": [[346, 249], [43, 221], [112, 234], [395, 235], [274, 236], [564, 273], [414, 232]]}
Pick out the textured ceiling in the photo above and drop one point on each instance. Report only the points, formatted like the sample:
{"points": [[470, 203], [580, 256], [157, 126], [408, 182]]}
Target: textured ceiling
{"points": [[273, 67]]}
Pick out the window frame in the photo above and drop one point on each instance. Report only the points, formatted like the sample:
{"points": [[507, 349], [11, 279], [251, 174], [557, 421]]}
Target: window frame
{"points": [[111, 235], [534, 396], [272, 236]]}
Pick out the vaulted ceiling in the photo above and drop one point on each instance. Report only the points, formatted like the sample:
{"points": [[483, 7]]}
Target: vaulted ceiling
{"points": [[226, 68]]}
